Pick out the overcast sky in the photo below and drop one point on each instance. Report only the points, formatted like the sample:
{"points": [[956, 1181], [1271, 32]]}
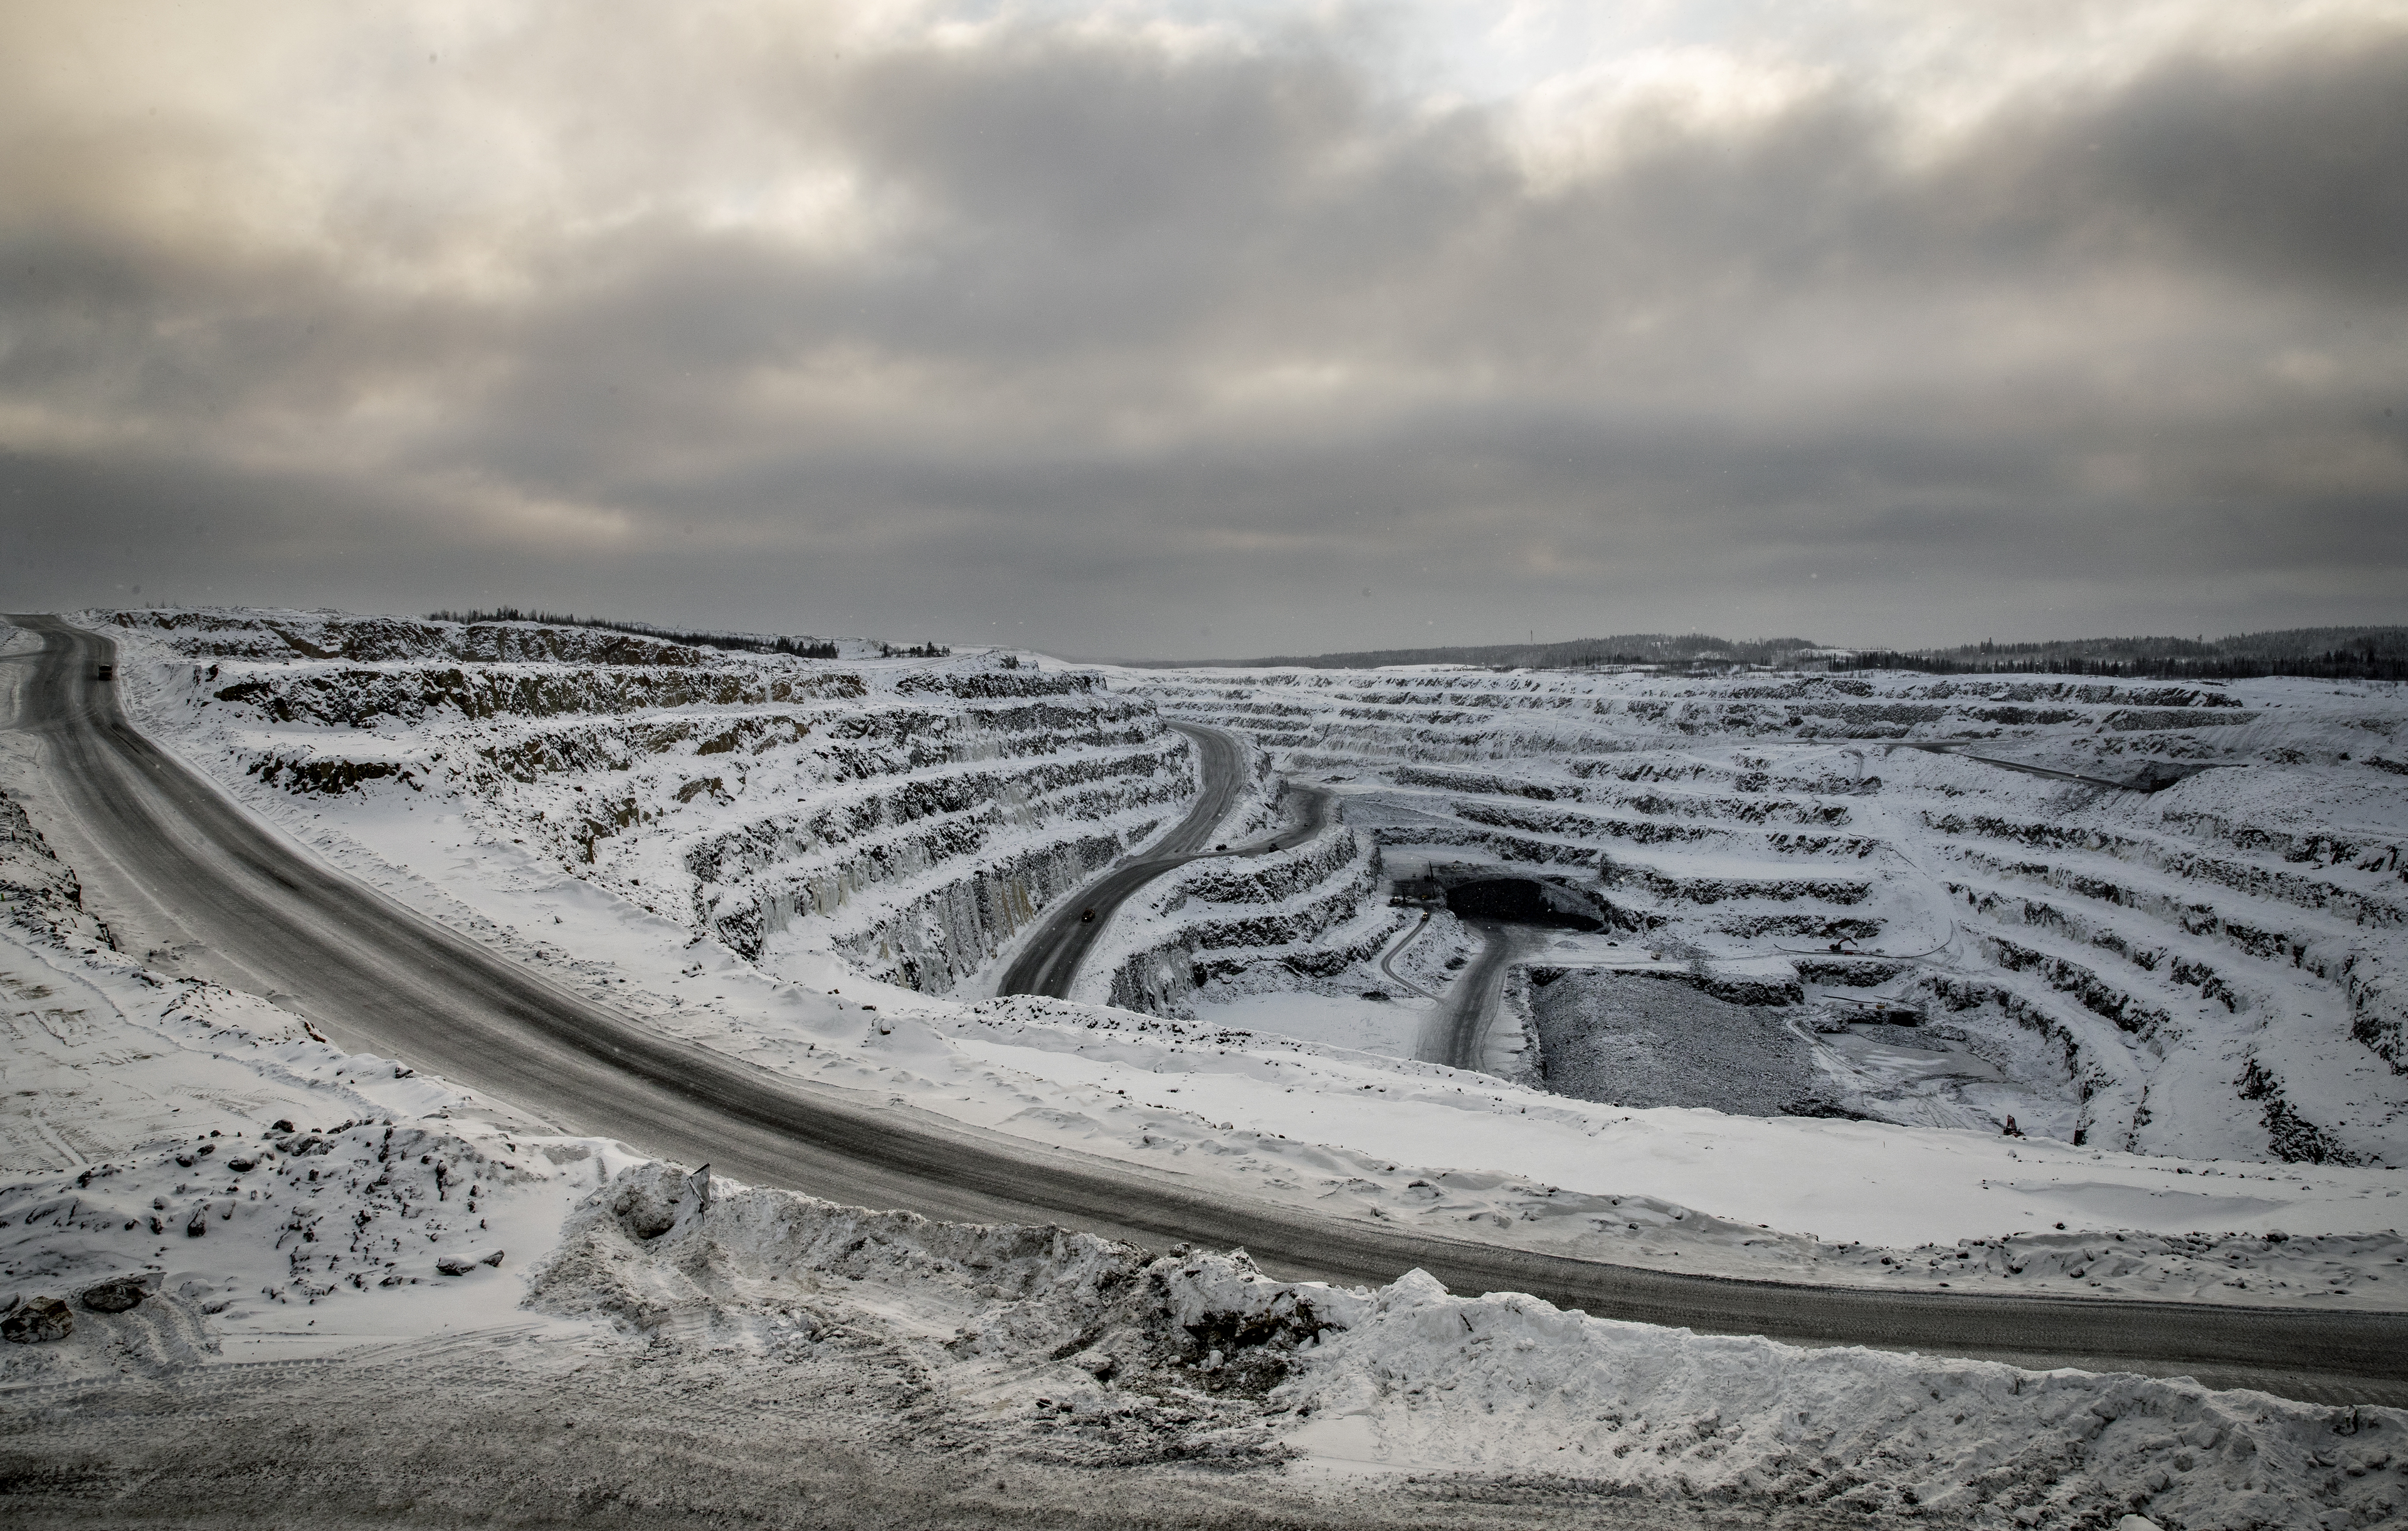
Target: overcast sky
{"points": [[1215, 329]]}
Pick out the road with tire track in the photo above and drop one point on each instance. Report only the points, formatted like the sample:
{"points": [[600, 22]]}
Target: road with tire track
{"points": [[375, 975]]}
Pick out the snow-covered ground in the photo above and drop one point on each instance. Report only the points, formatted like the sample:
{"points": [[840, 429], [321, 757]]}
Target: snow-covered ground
{"points": [[341, 1200], [1388, 1028], [360, 1239], [2208, 971], [1351, 1132], [1112, 1349]]}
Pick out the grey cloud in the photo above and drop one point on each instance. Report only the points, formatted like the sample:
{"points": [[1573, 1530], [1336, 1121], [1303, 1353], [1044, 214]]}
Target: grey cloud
{"points": [[2288, 169], [2115, 355]]}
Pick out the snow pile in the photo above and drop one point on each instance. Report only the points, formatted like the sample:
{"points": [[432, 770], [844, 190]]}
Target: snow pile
{"points": [[268, 1193], [283, 1239], [1102, 1354], [1202, 1356], [1510, 1385]]}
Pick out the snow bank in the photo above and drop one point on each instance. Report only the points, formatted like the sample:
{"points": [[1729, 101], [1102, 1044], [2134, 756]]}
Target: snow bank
{"points": [[1510, 1385], [267, 1244], [40, 892], [1410, 1377], [270, 1194]]}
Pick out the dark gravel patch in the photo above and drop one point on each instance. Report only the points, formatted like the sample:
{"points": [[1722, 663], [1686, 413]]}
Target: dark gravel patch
{"points": [[1641, 1040]]}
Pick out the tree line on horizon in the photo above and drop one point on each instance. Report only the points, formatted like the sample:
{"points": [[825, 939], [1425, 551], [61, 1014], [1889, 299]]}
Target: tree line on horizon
{"points": [[2320, 653], [802, 648], [2327, 653]]}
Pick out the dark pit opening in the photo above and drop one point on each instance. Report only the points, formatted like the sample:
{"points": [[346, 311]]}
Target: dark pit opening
{"points": [[1521, 901]]}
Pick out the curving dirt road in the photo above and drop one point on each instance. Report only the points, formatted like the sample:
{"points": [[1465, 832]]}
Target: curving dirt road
{"points": [[1051, 958], [1457, 1033], [1059, 945], [375, 975]]}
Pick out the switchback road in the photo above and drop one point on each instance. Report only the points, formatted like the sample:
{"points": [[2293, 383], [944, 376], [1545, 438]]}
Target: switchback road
{"points": [[373, 974], [1059, 945]]}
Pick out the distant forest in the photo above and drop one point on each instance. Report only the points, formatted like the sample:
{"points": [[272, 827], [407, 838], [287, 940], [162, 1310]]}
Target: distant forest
{"points": [[2329, 653], [2324, 653], [1578, 654], [805, 647]]}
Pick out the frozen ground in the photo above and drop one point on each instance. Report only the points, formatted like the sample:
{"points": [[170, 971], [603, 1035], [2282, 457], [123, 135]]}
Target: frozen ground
{"points": [[1390, 1029], [631, 1353], [2207, 970], [1353, 1132]]}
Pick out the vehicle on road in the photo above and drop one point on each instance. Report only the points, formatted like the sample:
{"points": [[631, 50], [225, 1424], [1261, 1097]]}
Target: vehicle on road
{"points": [[1086, 917], [104, 672]]}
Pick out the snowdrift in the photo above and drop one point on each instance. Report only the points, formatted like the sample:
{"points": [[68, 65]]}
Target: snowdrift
{"points": [[1114, 1342]]}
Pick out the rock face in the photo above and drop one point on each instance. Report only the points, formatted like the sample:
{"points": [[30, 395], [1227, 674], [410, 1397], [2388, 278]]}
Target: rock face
{"points": [[907, 815], [39, 892], [2207, 964], [1307, 912], [38, 1320]]}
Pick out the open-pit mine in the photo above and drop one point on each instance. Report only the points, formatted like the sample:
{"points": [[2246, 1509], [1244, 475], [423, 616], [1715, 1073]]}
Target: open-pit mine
{"points": [[2005, 1067]]}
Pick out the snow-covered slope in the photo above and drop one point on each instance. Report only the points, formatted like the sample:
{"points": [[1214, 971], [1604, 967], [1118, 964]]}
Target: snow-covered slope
{"points": [[2210, 969], [1314, 910], [910, 815], [40, 894], [1328, 1121]]}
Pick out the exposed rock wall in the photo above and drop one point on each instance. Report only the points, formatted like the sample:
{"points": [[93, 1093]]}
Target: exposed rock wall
{"points": [[2213, 954], [282, 636], [908, 816], [40, 894], [1216, 917]]}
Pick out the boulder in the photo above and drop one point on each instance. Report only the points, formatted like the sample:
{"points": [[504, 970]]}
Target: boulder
{"points": [[116, 1295], [647, 1205], [452, 1264], [36, 1320]]}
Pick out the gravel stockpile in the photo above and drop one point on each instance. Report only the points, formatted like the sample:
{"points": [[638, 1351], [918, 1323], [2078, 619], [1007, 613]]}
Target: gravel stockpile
{"points": [[1641, 1040]]}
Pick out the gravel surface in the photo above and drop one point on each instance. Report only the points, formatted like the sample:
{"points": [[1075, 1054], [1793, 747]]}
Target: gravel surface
{"points": [[1639, 1039]]}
